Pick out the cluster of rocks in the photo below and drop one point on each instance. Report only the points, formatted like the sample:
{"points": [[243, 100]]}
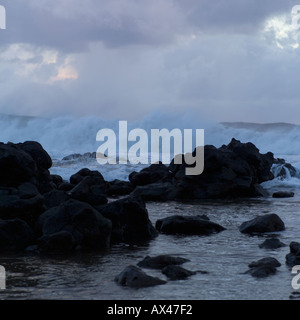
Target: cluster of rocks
{"points": [[134, 276], [231, 171], [263, 267], [41, 212]]}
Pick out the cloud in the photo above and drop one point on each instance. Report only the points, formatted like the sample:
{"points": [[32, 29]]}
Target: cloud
{"points": [[122, 59]]}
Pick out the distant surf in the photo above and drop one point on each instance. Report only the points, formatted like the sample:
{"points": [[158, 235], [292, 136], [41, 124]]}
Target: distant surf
{"points": [[62, 136]]}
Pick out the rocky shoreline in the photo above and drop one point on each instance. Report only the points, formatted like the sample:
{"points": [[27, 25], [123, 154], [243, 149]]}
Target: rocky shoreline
{"points": [[44, 214]]}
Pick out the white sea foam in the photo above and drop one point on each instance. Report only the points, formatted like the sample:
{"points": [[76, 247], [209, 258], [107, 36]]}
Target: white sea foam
{"points": [[66, 135]]}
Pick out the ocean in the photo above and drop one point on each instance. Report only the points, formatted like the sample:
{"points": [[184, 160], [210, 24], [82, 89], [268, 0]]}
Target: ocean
{"points": [[225, 256]]}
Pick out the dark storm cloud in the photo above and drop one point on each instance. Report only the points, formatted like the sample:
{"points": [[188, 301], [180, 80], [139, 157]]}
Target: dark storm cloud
{"points": [[70, 27]]}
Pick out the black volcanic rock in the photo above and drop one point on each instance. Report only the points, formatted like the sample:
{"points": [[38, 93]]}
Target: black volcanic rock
{"points": [[261, 224], [88, 228], [283, 194], [263, 267], [161, 261], [130, 221], [59, 242], [154, 173], [174, 272], [187, 225], [25, 162], [85, 172], [89, 186], [15, 235], [134, 277], [28, 209], [119, 188], [272, 244], [231, 171], [157, 191], [293, 258]]}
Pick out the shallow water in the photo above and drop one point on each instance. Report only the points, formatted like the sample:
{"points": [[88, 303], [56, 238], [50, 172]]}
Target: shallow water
{"points": [[225, 256]]}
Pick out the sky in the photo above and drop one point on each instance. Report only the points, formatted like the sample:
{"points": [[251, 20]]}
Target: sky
{"points": [[226, 60]]}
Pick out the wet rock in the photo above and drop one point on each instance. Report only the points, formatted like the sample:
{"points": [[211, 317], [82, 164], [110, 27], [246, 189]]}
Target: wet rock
{"points": [[268, 261], [272, 244], [283, 194], [28, 209], [25, 162], [263, 267], [56, 179], [27, 190], [15, 235], [16, 166], [89, 229], [91, 190], [66, 186], [134, 277], [59, 242], [187, 225], [37, 152], [231, 171], [261, 272], [152, 174], [54, 198], [161, 261], [130, 221], [119, 188], [295, 295], [293, 258], [153, 192], [83, 157], [95, 175], [261, 224], [283, 170], [174, 272]]}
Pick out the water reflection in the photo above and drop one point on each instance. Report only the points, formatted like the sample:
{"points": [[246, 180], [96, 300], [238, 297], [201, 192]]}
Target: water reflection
{"points": [[225, 256]]}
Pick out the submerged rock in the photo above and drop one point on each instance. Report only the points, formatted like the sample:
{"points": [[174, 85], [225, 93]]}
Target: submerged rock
{"points": [[283, 194], [268, 261], [293, 258], [161, 261], [261, 224], [263, 267], [187, 225], [134, 277], [84, 156], [272, 244], [177, 273]]}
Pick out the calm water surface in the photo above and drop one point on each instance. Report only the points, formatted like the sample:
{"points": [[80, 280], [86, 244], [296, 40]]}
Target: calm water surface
{"points": [[225, 256]]}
